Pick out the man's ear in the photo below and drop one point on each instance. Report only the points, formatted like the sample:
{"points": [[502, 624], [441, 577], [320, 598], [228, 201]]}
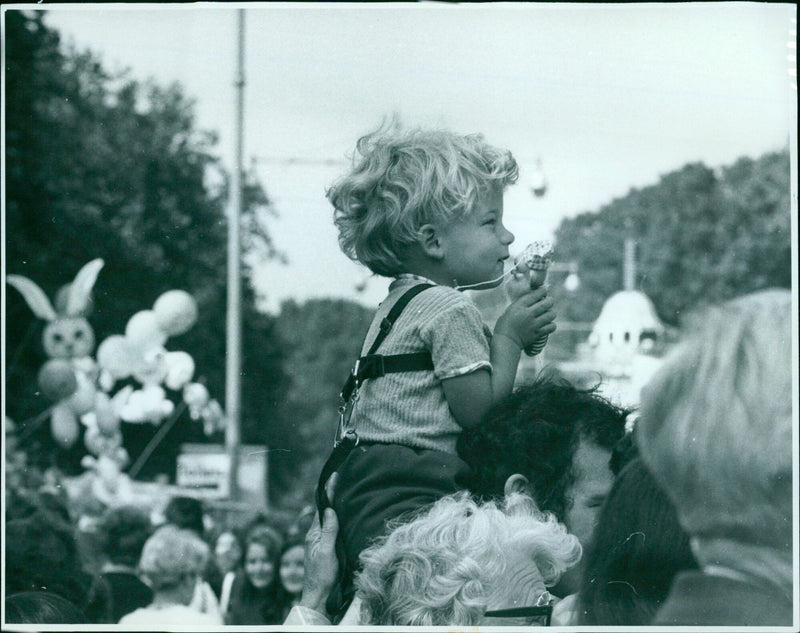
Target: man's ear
{"points": [[517, 483], [429, 242]]}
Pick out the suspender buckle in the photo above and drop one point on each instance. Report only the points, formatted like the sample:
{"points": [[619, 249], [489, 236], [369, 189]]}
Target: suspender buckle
{"points": [[373, 366]]}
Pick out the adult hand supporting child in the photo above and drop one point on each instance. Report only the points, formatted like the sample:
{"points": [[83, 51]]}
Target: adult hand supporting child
{"points": [[321, 563]]}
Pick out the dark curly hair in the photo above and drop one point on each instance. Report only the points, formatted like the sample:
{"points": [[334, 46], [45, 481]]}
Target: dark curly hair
{"points": [[535, 432]]}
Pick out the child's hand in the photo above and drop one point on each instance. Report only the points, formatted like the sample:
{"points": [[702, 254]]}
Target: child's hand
{"points": [[523, 280], [529, 317]]}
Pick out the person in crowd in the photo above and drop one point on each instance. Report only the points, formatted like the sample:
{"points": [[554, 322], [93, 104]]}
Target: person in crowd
{"points": [[715, 430], [41, 607], [456, 563], [228, 551], [291, 573], [171, 563], [228, 555], [553, 442], [187, 513], [637, 549], [253, 596], [41, 554], [123, 533], [425, 207]]}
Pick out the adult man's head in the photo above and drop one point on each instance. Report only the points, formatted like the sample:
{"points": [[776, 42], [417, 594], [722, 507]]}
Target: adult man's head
{"points": [[554, 442], [716, 432]]}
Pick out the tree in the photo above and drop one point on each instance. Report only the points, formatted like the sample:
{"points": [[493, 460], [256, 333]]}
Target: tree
{"points": [[102, 165], [702, 237], [321, 339]]}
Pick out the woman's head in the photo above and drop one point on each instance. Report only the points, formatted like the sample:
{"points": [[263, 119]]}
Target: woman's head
{"points": [[638, 548], [292, 566], [172, 557], [228, 551], [124, 531], [716, 423], [261, 553], [457, 559], [404, 179]]}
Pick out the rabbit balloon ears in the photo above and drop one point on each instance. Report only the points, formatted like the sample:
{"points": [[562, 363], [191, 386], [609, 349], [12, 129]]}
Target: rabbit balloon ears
{"points": [[77, 299]]}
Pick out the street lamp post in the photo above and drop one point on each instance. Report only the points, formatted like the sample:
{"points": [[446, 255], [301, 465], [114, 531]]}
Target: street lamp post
{"points": [[234, 315]]}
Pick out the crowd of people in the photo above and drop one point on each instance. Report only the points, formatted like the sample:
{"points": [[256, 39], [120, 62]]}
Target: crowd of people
{"points": [[454, 496], [685, 519], [174, 573]]}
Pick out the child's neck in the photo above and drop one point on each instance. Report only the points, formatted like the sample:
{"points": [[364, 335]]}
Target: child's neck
{"points": [[438, 278], [424, 266]]}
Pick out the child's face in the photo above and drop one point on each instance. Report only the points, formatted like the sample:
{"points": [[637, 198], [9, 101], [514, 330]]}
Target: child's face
{"points": [[476, 245]]}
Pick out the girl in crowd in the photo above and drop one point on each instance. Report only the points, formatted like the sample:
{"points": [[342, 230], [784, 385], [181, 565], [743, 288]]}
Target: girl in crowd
{"points": [[254, 589], [291, 574], [228, 557]]}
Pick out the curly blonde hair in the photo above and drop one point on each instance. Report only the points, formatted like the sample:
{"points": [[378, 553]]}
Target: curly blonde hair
{"points": [[170, 554], [444, 566], [401, 180]]}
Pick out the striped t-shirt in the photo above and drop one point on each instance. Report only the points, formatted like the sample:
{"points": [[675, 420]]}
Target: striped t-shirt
{"points": [[410, 408]]}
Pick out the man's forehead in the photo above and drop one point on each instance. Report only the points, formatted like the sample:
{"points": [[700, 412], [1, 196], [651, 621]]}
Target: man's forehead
{"points": [[591, 463]]}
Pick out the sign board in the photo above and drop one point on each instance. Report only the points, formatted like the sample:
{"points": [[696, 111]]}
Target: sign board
{"points": [[203, 470]]}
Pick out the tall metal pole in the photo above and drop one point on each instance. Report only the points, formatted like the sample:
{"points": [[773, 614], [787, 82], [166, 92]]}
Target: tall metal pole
{"points": [[234, 318]]}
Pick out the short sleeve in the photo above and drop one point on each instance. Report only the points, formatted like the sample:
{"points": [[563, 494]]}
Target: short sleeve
{"points": [[457, 339]]}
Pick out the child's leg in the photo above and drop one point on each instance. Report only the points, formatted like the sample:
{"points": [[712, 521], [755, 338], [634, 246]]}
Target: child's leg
{"points": [[379, 482]]}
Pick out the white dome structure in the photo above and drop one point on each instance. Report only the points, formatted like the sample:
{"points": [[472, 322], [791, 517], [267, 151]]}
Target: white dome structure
{"points": [[627, 324]]}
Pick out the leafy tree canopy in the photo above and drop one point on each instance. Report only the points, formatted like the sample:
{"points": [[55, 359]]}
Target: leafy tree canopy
{"points": [[104, 165], [702, 237]]}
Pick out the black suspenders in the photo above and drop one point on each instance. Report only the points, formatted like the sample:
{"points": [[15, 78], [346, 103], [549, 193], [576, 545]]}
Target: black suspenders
{"points": [[371, 365]]}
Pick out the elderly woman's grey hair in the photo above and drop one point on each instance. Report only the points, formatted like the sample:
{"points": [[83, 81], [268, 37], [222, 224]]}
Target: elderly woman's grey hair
{"points": [[170, 554], [716, 423], [445, 565]]}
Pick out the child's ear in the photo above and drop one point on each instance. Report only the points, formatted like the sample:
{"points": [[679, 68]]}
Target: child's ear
{"points": [[428, 239]]}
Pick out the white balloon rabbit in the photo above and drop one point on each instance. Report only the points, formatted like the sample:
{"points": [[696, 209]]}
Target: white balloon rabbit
{"points": [[68, 336]]}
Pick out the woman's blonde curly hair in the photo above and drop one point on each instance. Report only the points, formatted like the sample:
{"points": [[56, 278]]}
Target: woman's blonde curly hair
{"points": [[403, 179], [445, 565]]}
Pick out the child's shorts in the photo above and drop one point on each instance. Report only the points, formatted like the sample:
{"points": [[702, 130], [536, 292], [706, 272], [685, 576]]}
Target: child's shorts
{"points": [[379, 482]]}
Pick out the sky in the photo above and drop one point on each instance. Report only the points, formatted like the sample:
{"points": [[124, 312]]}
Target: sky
{"points": [[606, 96]]}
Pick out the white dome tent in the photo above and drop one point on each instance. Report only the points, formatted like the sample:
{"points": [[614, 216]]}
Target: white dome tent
{"points": [[628, 324]]}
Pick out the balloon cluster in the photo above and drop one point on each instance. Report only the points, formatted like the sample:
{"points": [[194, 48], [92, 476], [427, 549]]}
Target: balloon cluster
{"points": [[81, 386], [140, 354]]}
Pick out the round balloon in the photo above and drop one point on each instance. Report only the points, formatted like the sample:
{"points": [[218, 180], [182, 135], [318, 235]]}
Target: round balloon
{"points": [[107, 419], [143, 332], [116, 356], [64, 426], [57, 380], [180, 369], [176, 312], [151, 368], [82, 401]]}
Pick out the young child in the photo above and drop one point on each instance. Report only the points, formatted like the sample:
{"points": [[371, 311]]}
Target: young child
{"points": [[427, 207]]}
